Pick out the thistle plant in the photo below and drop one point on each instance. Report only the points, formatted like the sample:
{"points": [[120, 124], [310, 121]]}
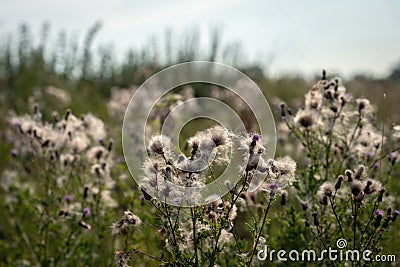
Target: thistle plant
{"points": [[60, 191], [345, 179], [207, 235], [68, 202]]}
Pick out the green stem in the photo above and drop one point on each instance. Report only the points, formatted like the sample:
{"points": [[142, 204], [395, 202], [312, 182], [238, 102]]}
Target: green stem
{"points": [[194, 237], [260, 232]]}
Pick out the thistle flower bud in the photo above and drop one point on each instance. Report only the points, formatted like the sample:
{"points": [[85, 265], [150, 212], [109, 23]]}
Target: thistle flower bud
{"points": [[343, 101], [359, 172], [315, 216], [283, 198], [367, 187], [110, 145], [362, 103], [380, 197], [67, 198], [168, 173], [349, 175], [334, 108], [323, 75], [378, 219], [306, 223], [85, 191], [145, 194], [389, 211], [304, 205], [283, 106], [388, 219], [86, 211], [35, 108], [67, 114], [14, 152], [339, 182], [256, 137]]}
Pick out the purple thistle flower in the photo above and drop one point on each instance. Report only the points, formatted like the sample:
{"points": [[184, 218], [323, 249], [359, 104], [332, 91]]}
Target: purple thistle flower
{"points": [[349, 96], [177, 200], [379, 212], [256, 137], [273, 186], [67, 198], [86, 211], [396, 213], [14, 152]]}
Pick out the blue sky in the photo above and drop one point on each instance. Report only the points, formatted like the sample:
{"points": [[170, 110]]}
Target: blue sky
{"points": [[345, 37]]}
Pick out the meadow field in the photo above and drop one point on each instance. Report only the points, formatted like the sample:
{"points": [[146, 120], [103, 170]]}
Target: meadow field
{"points": [[68, 199]]}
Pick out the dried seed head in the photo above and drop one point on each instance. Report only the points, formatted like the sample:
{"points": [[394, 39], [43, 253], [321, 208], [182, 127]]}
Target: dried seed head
{"points": [[355, 187], [349, 175], [159, 143], [306, 119], [325, 191]]}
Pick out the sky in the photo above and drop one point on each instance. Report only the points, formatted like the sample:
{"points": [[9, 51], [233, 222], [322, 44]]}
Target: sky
{"points": [[287, 36]]}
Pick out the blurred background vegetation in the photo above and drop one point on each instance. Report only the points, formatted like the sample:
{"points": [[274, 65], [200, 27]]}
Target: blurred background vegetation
{"points": [[28, 62]]}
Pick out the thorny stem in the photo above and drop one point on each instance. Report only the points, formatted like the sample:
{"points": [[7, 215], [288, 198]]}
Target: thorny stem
{"points": [[45, 226], [370, 239], [194, 237], [376, 205], [329, 143], [236, 241], [212, 260], [213, 177], [149, 256], [260, 232], [384, 155], [336, 216], [348, 145], [166, 215], [318, 237], [355, 224], [177, 217], [170, 225]]}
